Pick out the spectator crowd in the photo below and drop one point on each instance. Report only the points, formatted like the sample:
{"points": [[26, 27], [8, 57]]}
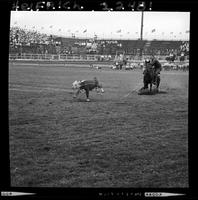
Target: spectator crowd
{"points": [[30, 41], [184, 48], [34, 42]]}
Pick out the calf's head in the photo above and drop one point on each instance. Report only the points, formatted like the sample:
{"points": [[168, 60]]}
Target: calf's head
{"points": [[75, 84]]}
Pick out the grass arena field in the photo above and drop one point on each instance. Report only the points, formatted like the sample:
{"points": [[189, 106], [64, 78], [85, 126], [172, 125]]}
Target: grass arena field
{"points": [[115, 140]]}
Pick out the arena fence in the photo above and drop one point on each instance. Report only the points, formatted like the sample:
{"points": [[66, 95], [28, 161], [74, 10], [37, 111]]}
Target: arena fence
{"points": [[54, 57], [91, 60], [86, 57]]}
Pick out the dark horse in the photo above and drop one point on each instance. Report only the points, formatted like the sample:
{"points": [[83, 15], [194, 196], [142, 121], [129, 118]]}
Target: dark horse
{"points": [[149, 77]]}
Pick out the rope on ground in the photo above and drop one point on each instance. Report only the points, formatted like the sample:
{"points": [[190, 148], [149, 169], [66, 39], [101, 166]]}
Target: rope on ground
{"points": [[134, 90]]}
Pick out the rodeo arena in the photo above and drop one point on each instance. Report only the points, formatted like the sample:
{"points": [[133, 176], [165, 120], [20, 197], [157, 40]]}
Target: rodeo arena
{"points": [[95, 111]]}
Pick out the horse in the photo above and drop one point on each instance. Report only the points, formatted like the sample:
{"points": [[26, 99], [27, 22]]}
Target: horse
{"points": [[87, 86], [149, 77]]}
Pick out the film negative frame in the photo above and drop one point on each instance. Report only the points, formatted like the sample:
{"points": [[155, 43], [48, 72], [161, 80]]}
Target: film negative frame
{"points": [[106, 193], [81, 5]]}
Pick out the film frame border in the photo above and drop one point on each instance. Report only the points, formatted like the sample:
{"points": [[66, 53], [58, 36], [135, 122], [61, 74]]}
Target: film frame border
{"points": [[101, 192]]}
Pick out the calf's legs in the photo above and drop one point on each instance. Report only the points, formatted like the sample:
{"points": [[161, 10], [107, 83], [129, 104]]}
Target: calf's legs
{"points": [[87, 94], [77, 93]]}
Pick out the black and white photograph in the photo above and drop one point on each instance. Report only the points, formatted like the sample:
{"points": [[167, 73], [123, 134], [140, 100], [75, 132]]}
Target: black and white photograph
{"points": [[99, 99]]}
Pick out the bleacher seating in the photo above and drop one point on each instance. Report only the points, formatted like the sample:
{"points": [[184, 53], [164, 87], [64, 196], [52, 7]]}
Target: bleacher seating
{"points": [[26, 41]]}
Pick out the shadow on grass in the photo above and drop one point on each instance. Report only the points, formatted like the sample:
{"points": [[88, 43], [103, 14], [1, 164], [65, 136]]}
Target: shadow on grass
{"points": [[91, 100], [151, 92]]}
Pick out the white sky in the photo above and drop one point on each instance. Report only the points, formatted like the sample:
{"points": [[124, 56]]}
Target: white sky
{"points": [[106, 24]]}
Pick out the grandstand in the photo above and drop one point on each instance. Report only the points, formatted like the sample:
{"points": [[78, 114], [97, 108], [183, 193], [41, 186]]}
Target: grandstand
{"points": [[32, 42]]}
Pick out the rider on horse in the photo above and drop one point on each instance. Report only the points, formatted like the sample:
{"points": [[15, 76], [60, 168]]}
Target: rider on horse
{"points": [[157, 68], [151, 69], [147, 66]]}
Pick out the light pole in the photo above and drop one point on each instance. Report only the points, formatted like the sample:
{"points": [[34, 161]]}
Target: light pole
{"points": [[141, 33], [142, 24], [21, 49]]}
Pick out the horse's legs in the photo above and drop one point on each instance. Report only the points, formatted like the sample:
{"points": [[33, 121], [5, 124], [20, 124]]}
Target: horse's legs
{"points": [[154, 79], [145, 83], [150, 87], [158, 82]]}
